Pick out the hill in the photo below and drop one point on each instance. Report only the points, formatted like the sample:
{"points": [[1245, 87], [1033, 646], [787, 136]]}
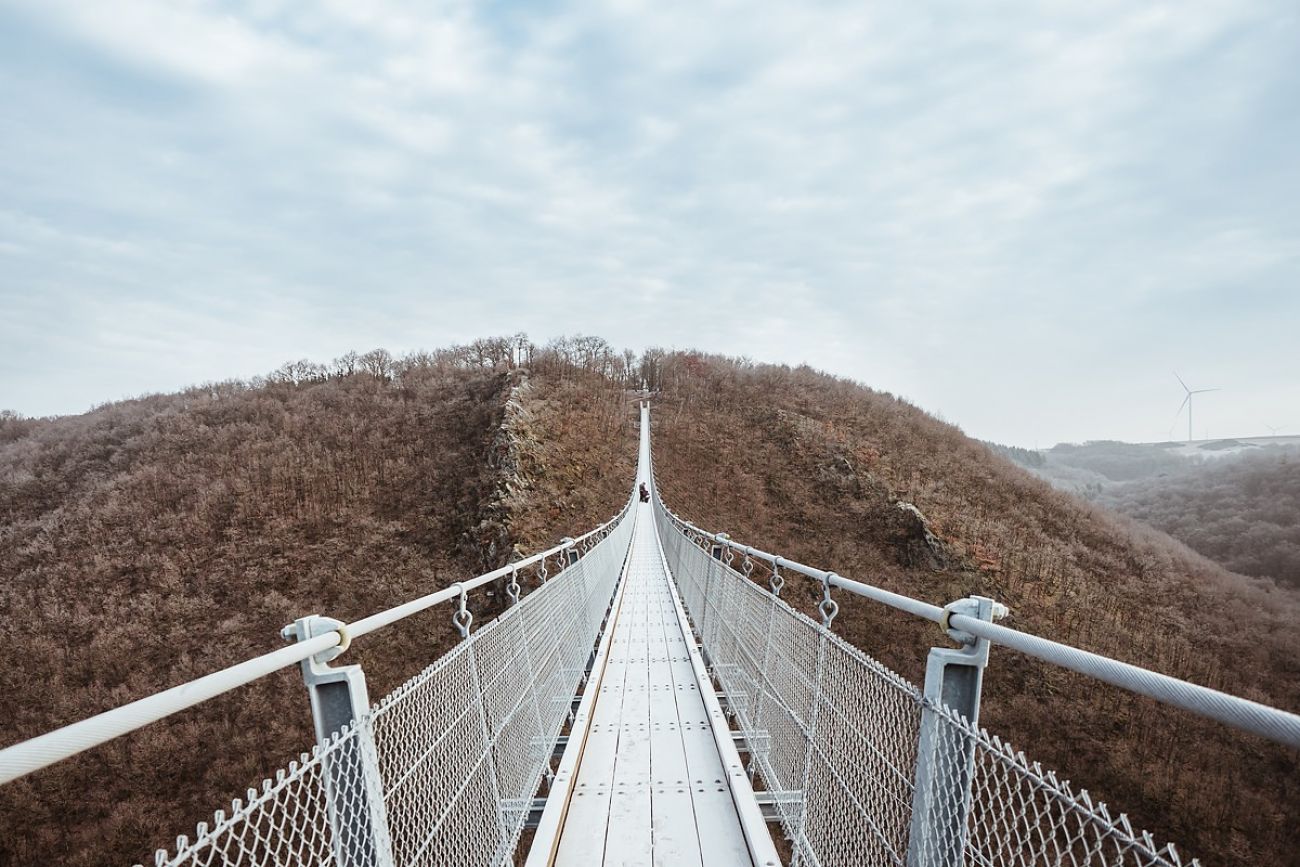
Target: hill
{"points": [[1236, 502], [815, 468], [157, 539], [1244, 513]]}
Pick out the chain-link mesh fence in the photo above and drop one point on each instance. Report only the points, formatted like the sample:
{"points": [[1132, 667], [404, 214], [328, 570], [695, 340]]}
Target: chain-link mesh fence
{"points": [[837, 738], [442, 771], [862, 767]]}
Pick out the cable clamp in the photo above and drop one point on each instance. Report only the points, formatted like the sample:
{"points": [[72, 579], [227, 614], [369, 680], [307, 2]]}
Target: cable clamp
{"points": [[345, 637], [314, 626], [977, 607]]}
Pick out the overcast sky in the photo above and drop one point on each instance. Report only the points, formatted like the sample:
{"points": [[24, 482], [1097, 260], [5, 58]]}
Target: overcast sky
{"points": [[1022, 218]]}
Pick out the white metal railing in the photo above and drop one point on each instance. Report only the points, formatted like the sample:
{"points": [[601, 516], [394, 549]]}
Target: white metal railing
{"points": [[440, 771], [1277, 725], [31, 755], [443, 770], [867, 767]]}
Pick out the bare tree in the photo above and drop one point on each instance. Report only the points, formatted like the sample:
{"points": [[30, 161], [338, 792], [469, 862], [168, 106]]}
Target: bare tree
{"points": [[378, 363], [346, 364]]}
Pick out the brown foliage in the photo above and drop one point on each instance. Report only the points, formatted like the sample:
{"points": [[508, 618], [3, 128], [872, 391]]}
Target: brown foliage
{"points": [[1243, 512], [156, 540], [814, 467]]}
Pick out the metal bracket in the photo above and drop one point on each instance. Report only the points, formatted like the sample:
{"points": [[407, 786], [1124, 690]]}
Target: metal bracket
{"points": [[531, 807], [775, 805], [338, 695], [339, 699], [945, 766]]}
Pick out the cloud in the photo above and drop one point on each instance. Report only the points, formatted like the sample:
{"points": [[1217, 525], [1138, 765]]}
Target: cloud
{"points": [[1007, 214]]}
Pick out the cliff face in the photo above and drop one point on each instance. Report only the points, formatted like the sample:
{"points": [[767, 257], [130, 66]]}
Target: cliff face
{"points": [[153, 541], [576, 437]]}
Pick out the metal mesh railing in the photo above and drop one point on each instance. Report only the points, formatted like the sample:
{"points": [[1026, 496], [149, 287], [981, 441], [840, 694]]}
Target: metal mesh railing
{"points": [[442, 770], [844, 745]]}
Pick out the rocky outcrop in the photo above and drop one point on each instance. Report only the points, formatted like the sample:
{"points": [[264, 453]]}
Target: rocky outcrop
{"points": [[898, 527], [923, 548], [511, 458]]}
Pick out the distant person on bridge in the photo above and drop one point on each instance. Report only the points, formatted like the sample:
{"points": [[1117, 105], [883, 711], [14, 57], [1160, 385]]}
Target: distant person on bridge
{"points": [[645, 493]]}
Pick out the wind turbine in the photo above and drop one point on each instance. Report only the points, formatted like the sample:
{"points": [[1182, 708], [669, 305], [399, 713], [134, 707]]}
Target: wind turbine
{"points": [[1273, 430], [1187, 402]]}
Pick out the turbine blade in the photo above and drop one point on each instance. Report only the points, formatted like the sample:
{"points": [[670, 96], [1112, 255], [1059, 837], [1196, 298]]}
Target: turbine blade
{"points": [[1180, 381], [1181, 405]]}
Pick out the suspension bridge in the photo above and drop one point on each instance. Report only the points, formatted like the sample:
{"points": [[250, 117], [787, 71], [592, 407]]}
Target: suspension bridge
{"points": [[654, 701]]}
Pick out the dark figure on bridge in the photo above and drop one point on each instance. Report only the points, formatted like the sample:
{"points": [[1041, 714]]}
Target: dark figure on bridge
{"points": [[645, 493]]}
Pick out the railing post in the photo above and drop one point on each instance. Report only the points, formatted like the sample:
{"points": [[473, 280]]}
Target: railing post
{"points": [[353, 791], [945, 755], [706, 594]]}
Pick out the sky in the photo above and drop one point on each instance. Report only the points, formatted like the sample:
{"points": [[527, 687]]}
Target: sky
{"points": [[1023, 217]]}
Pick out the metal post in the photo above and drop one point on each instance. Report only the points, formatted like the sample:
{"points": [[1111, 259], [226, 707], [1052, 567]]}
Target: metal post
{"points": [[706, 600], [945, 756], [353, 790]]}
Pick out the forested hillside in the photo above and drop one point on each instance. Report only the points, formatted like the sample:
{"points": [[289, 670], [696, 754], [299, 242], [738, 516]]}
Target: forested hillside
{"points": [[1241, 512], [152, 541], [814, 468], [155, 540], [1236, 503]]}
